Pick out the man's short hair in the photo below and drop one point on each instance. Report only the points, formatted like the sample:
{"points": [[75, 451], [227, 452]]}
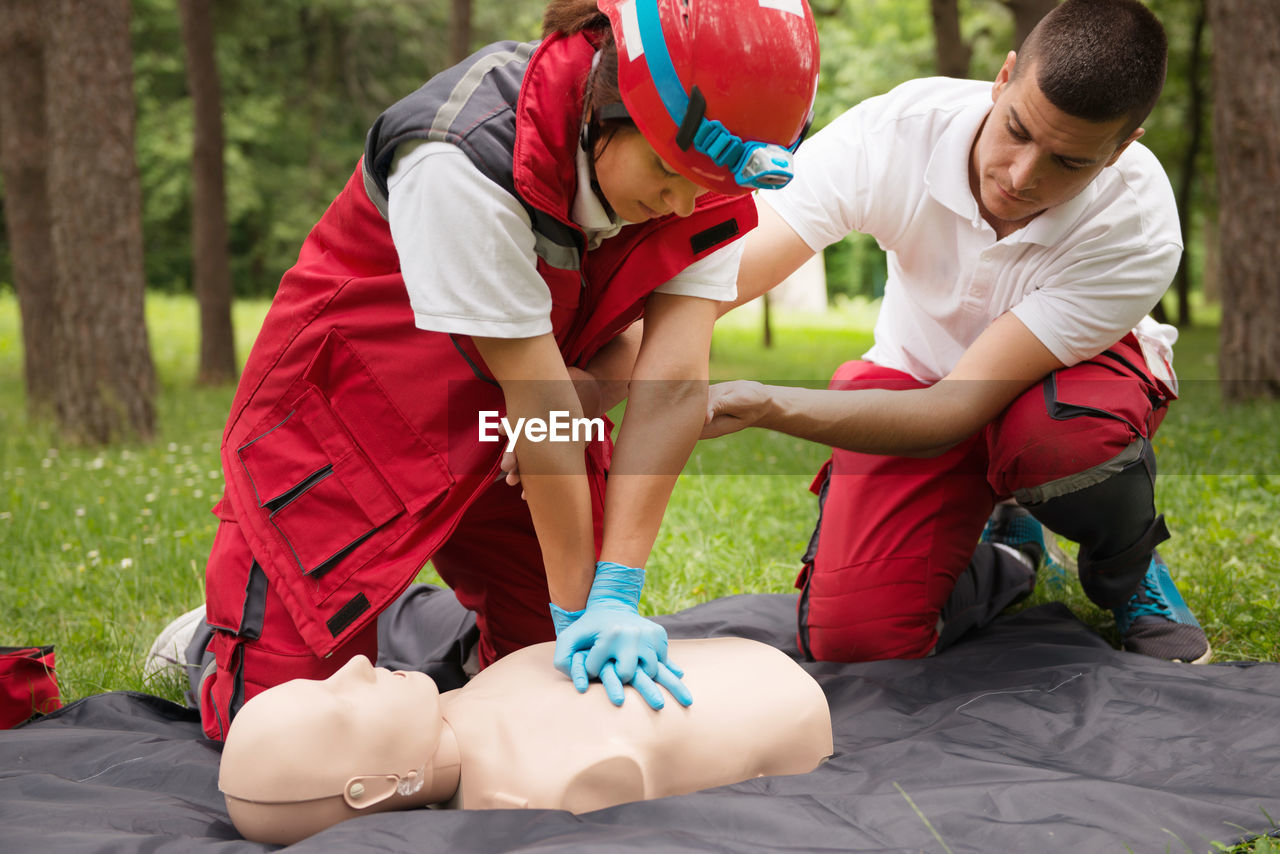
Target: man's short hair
{"points": [[1098, 60]]}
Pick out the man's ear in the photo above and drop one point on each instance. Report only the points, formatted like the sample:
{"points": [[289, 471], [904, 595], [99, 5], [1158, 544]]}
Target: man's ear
{"points": [[1004, 76], [1122, 146]]}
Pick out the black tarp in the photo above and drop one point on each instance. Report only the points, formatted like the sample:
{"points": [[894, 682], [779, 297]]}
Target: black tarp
{"points": [[1031, 736]]}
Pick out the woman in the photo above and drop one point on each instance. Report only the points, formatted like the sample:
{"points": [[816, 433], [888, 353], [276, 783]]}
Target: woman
{"points": [[508, 224]]}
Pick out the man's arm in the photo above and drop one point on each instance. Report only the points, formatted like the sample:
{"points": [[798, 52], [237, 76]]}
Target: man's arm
{"points": [[1004, 361], [771, 252]]}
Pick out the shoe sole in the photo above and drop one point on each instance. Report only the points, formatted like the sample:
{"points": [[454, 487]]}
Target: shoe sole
{"points": [[158, 657], [1203, 659]]}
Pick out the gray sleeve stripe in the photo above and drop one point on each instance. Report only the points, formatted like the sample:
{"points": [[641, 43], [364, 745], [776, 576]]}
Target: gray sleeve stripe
{"points": [[376, 195], [470, 81]]}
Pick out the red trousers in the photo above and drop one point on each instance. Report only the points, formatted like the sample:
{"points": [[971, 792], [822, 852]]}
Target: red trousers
{"points": [[896, 532], [491, 560]]}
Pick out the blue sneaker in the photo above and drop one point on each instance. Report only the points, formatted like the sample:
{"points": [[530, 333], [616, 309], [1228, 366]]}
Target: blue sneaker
{"points": [[1157, 622], [1013, 527]]}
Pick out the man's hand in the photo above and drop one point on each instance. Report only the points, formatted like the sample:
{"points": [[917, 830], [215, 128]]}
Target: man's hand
{"points": [[733, 406]]}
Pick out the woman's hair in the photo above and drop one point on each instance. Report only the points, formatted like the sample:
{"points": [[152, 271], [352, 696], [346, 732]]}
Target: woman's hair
{"points": [[600, 88]]}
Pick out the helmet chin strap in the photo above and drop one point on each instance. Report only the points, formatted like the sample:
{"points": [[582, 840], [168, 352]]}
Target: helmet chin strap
{"points": [[590, 132]]}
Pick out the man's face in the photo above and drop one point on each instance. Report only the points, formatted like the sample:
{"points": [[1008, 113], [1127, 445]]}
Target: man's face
{"points": [[1030, 156]]}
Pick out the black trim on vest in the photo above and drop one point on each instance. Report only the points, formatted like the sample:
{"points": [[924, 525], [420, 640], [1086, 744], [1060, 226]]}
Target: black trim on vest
{"points": [[475, 369], [347, 614], [714, 236]]}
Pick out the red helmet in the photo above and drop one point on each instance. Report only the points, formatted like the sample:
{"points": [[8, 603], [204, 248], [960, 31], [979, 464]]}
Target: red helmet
{"points": [[722, 89]]}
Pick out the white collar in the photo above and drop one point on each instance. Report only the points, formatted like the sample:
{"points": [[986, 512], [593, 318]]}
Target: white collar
{"points": [[589, 211]]}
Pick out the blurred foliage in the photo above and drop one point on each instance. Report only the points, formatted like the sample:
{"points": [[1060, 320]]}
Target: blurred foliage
{"points": [[303, 79]]}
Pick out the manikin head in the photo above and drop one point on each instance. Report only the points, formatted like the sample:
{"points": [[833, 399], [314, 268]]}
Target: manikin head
{"points": [[1066, 106], [383, 747]]}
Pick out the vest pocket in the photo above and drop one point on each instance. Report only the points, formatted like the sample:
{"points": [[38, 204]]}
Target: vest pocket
{"points": [[319, 491]]}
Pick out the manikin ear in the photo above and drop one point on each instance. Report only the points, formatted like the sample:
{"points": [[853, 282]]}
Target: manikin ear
{"points": [[1122, 146], [363, 792], [1005, 75]]}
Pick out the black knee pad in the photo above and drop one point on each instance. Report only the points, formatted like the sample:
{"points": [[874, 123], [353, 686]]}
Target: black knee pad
{"points": [[1110, 511]]}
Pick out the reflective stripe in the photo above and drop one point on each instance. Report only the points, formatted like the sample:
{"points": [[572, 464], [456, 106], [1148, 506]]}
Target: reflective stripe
{"points": [[557, 255], [470, 81], [1081, 480], [375, 195]]}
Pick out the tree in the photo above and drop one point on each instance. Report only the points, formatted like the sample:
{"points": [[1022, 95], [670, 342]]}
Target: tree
{"points": [[951, 52], [1246, 125], [1026, 14], [26, 198], [105, 378], [210, 259], [460, 31], [1190, 155]]}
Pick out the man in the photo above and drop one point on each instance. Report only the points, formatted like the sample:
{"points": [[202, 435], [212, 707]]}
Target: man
{"points": [[1028, 235]]}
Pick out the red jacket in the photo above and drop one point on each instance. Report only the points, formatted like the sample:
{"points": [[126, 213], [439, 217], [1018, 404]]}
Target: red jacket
{"points": [[351, 449]]}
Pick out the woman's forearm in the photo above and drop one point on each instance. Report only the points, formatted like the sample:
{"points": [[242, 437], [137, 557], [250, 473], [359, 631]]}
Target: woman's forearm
{"points": [[657, 435]]}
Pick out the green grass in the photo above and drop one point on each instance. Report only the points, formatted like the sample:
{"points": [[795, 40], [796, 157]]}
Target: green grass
{"points": [[100, 548]]}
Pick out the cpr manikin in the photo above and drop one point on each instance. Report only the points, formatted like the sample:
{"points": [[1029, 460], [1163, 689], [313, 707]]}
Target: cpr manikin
{"points": [[307, 754]]}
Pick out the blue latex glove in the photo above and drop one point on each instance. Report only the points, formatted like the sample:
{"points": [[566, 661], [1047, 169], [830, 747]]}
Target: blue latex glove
{"points": [[609, 640]]}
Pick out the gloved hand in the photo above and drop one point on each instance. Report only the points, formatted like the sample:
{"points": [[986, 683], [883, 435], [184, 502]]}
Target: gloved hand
{"points": [[609, 640]]}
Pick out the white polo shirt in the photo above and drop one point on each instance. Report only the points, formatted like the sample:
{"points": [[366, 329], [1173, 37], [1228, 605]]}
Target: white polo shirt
{"points": [[1080, 275], [466, 247]]}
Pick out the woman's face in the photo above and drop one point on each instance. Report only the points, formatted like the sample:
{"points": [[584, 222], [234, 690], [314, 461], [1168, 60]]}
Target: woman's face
{"points": [[637, 183]]}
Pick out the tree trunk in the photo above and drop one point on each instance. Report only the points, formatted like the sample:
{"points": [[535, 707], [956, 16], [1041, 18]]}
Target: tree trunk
{"points": [[1195, 120], [766, 306], [1246, 125], [951, 53], [106, 381], [210, 259], [26, 196], [460, 32], [1026, 14]]}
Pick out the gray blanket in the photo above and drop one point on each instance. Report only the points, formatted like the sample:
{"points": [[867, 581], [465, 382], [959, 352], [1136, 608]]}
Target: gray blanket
{"points": [[1032, 735]]}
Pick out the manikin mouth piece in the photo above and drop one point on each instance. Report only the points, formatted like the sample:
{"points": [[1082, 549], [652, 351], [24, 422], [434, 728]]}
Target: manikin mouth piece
{"points": [[412, 782]]}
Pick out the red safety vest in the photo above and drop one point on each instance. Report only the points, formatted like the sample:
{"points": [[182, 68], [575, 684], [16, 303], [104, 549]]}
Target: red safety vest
{"points": [[351, 451]]}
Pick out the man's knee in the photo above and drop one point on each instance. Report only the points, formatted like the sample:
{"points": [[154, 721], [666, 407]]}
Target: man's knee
{"points": [[873, 640], [1110, 511], [863, 614]]}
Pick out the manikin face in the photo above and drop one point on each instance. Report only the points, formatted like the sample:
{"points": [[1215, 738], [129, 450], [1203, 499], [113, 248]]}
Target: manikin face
{"points": [[637, 183], [1030, 156], [361, 720]]}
